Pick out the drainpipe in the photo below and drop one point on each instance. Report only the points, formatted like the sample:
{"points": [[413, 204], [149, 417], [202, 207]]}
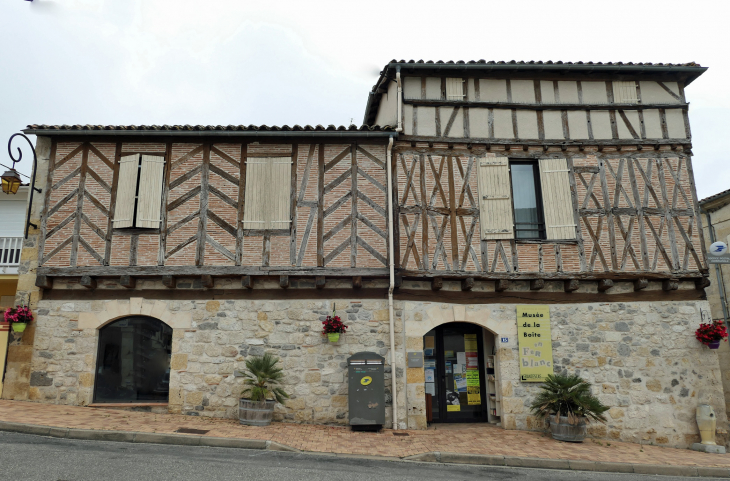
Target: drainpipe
{"points": [[391, 266], [718, 271], [400, 100]]}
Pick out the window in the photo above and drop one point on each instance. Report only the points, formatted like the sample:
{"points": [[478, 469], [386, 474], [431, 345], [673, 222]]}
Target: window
{"points": [[525, 199], [268, 193], [528, 217], [454, 89], [133, 361], [139, 191]]}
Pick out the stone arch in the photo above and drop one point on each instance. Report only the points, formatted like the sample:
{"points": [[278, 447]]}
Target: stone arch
{"points": [[422, 317], [113, 310]]}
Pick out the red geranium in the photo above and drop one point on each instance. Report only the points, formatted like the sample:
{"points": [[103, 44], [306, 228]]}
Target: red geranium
{"points": [[18, 314], [709, 333], [333, 324]]}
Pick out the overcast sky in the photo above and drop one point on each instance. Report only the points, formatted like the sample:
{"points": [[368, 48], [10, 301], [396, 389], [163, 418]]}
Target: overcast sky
{"points": [[313, 62]]}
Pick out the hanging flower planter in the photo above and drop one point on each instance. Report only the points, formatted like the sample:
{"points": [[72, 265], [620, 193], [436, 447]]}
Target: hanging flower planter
{"points": [[712, 334], [333, 327], [19, 326], [18, 317]]}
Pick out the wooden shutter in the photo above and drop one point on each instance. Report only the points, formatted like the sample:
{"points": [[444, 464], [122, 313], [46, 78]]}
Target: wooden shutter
{"points": [[126, 191], [454, 89], [279, 198], [495, 200], [268, 193], [624, 92], [557, 200], [150, 191]]}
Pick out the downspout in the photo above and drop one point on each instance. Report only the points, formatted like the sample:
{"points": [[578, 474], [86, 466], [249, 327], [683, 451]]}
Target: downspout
{"points": [[400, 100], [391, 266], [718, 271]]}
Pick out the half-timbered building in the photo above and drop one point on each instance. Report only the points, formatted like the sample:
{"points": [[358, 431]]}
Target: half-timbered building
{"points": [[166, 255]]}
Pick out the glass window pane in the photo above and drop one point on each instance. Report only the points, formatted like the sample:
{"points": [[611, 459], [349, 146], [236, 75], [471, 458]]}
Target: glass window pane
{"points": [[527, 215], [133, 363]]}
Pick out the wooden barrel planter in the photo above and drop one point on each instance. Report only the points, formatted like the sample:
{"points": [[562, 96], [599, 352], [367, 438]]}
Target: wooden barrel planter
{"points": [[255, 413], [563, 430]]}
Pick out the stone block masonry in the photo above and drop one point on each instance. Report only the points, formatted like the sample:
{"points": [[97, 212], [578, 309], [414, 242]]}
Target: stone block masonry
{"points": [[211, 341], [641, 357]]}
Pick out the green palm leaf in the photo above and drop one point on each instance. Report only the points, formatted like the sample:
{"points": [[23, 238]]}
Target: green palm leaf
{"points": [[568, 396], [262, 377]]}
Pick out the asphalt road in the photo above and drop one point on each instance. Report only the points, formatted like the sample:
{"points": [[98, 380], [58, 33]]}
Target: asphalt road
{"points": [[28, 457]]}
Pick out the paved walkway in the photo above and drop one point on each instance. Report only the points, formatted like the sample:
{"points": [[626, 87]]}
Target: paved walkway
{"points": [[472, 439]]}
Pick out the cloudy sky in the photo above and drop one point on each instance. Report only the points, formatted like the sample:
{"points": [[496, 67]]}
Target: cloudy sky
{"points": [[313, 62]]}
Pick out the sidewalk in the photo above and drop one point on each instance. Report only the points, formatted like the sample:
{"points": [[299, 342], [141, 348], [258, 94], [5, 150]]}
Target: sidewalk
{"points": [[478, 439]]}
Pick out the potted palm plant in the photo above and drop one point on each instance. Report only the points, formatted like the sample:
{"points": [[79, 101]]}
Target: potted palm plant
{"points": [[261, 393], [568, 406]]}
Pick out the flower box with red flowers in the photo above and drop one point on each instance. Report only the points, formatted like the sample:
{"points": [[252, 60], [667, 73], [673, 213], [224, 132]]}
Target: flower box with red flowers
{"points": [[711, 334], [18, 317]]}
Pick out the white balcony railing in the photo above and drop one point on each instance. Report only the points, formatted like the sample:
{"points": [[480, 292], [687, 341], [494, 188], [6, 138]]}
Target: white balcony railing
{"points": [[10, 248]]}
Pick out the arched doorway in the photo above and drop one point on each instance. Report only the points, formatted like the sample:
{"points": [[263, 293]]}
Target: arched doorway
{"points": [[133, 361], [459, 373]]}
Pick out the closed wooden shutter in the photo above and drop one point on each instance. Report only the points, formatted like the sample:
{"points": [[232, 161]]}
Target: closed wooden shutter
{"points": [[268, 193], [454, 89], [126, 191], [150, 191], [279, 215], [557, 200], [495, 200], [624, 92]]}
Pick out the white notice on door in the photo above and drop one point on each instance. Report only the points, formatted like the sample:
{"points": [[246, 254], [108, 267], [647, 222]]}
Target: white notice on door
{"points": [[460, 358]]}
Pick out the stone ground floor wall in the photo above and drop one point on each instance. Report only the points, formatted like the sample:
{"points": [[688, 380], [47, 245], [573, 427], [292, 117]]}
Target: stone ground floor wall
{"points": [[641, 357], [211, 340]]}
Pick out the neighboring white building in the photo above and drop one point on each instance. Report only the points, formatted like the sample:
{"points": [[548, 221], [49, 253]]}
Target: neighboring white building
{"points": [[12, 223]]}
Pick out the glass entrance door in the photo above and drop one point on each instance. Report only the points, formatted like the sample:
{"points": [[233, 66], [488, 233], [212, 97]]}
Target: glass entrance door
{"points": [[455, 374]]}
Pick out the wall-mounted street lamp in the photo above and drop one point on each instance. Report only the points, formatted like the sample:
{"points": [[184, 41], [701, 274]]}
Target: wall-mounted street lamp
{"points": [[11, 178]]}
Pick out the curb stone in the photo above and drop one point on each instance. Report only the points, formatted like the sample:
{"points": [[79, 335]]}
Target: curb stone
{"points": [[569, 464], [429, 457], [137, 437]]}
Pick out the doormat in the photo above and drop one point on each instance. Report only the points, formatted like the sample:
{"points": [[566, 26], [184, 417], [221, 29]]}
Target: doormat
{"points": [[401, 434], [191, 431]]}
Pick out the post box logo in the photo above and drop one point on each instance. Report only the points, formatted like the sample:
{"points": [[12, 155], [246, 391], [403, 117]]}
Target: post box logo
{"points": [[366, 380], [718, 249]]}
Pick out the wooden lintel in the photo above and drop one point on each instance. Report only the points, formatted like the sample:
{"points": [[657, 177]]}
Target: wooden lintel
{"points": [[641, 283], [571, 285], [501, 285], [604, 285], [702, 283], [88, 282], [283, 282], [319, 282], [247, 282], [169, 281], [537, 284], [540, 106], [206, 280], [670, 284], [44, 282], [467, 284], [437, 283], [127, 281], [357, 282]]}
